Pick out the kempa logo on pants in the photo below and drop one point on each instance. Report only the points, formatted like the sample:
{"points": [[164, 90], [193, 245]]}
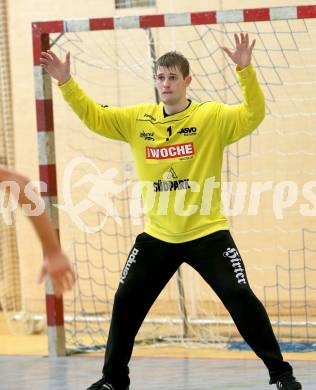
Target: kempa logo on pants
{"points": [[130, 261], [235, 260]]}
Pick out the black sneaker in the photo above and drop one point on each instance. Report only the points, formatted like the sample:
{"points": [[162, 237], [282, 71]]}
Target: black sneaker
{"points": [[288, 382], [102, 384]]}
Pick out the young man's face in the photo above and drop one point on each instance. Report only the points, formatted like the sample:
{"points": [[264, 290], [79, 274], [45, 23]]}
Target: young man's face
{"points": [[171, 85]]}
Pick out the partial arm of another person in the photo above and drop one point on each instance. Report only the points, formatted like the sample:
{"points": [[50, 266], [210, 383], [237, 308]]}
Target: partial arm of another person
{"points": [[236, 121], [110, 122], [56, 264]]}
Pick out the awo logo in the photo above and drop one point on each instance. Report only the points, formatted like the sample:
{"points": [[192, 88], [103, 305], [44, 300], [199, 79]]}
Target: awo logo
{"points": [[187, 131], [173, 151]]}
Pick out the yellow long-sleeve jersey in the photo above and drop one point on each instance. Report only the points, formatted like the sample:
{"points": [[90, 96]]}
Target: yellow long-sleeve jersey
{"points": [[178, 157]]}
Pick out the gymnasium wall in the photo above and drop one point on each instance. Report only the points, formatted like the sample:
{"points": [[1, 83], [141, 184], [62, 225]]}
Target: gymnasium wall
{"points": [[21, 14]]}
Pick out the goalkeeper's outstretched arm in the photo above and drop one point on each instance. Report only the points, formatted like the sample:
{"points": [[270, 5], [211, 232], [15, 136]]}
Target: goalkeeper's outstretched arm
{"points": [[237, 121]]}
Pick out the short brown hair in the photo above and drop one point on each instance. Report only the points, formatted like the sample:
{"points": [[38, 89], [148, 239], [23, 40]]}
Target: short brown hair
{"points": [[174, 59]]}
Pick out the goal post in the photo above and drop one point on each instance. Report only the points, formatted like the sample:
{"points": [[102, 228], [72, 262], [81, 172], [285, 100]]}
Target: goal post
{"points": [[112, 59]]}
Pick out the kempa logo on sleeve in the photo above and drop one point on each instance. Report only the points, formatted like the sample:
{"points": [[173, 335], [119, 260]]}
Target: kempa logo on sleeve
{"points": [[150, 117], [172, 151], [130, 261]]}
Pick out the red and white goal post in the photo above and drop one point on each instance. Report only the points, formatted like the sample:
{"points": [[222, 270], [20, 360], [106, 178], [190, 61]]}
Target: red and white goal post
{"points": [[112, 59]]}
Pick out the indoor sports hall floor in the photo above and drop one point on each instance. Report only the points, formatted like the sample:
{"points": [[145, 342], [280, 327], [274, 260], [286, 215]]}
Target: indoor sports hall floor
{"points": [[77, 372], [24, 365]]}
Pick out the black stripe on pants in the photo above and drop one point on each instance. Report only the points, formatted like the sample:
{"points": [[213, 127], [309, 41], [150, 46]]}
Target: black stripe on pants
{"points": [[151, 264]]}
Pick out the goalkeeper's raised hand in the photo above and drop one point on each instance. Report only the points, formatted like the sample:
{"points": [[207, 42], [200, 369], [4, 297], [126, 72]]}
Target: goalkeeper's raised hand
{"points": [[241, 55], [57, 69]]}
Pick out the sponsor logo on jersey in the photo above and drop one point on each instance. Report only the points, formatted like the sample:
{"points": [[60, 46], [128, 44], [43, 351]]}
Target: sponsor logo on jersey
{"points": [[149, 136], [162, 186], [172, 151], [171, 174], [188, 131], [171, 185]]}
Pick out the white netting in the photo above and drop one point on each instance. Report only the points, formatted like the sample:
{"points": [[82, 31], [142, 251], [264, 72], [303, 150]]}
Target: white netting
{"points": [[278, 247], [10, 289]]}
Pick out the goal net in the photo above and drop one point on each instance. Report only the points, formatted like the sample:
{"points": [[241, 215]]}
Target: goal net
{"points": [[10, 288], [269, 188]]}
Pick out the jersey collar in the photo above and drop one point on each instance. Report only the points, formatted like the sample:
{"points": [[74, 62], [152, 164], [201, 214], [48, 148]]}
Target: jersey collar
{"points": [[179, 115]]}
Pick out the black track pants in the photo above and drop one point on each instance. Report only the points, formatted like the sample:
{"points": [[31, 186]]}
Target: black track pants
{"points": [[150, 265]]}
